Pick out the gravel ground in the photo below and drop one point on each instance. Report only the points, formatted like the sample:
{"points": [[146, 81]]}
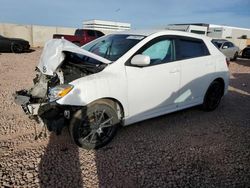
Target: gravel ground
{"points": [[190, 148]]}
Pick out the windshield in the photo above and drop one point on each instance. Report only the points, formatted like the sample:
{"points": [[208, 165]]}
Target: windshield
{"points": [[112, 47], [217, 43], [78, 32]]}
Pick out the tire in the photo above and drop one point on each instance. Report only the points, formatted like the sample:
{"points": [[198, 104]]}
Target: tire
{"points": [[85, 127], [213, 96], [235, 56], [16, 48], [244, 55]]}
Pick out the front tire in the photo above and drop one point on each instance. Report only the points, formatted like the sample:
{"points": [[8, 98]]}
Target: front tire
{"points": [[235, 56], [95, 126], [16, 48], [213, 96]]}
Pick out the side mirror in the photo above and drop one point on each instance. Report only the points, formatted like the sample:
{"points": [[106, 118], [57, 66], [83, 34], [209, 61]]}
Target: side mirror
{"points": [[224, 47], [140, 60]]}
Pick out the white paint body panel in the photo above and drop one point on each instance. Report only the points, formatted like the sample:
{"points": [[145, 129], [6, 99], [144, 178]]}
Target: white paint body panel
{"points": [[151, 91], [52, 55]]}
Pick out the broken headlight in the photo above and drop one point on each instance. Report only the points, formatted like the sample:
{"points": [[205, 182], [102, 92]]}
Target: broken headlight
{"points": [[59, 91]]}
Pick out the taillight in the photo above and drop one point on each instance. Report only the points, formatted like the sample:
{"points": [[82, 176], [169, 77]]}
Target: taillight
{"points": [[228, 62]]}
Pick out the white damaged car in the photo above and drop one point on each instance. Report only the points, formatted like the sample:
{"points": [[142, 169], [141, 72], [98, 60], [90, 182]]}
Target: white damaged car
{"points": [[123, 78]]}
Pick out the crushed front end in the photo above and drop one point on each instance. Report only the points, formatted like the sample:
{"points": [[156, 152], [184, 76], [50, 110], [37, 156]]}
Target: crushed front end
{"points": [[37, 103], [61, 63]]}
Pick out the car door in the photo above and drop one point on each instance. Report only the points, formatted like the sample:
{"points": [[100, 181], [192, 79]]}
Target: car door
{"points": [[233, 49], [226, 50], [5, 44], [153, 88], [196, 71]]}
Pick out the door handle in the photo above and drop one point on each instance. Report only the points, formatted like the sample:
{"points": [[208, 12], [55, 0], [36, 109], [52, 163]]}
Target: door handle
{"points": [[208, 63], [174, 70]]}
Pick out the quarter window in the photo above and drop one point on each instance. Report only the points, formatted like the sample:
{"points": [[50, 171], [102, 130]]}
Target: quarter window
{"points": [[191, 48]]}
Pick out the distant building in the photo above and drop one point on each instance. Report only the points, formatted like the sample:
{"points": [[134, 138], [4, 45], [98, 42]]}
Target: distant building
{"points": [[239, 36], [106, 26], [228, 32], [197, 28]]}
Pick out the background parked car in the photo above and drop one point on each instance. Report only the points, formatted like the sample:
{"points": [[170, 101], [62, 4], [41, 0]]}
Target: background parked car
{"points": [[246, 52], [81, 36], [227, 48], [14, 45]]}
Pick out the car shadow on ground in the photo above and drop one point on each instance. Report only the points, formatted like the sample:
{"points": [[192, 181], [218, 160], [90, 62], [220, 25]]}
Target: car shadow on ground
{"points": [[189, 148], [243, 61], [30, 51], [60, 164], [27, 51], [241, 81]]}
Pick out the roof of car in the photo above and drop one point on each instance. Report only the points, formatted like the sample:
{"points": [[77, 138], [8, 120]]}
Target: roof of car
{"points": [[220, 40], [153, 31], [138, 32]]}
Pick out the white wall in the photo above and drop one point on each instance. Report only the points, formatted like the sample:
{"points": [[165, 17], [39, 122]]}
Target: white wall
{"points": [[35, 34], [42, 34]]}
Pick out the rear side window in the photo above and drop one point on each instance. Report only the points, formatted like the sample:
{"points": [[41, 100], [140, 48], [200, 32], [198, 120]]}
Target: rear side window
{"points": [[91, 33], [189, 48], [79, 32]]}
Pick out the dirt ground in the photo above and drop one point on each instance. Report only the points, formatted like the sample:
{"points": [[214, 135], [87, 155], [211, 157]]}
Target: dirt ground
{"points": [[190, 148]]}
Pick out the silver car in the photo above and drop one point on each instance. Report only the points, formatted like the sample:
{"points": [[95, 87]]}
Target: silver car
{"points": [[227, 48]]}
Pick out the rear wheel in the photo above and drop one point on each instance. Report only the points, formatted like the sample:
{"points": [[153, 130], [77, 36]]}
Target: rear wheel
{"points": [[95, 126], [16, 48], [235, 56], [213, 96]]}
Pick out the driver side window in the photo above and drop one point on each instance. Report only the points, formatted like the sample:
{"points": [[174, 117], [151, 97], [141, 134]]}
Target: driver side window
{"points": [[226, 45], [160, 52]]}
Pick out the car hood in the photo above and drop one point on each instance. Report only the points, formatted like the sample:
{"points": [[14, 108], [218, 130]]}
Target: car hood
{"points": [[52, 55]]}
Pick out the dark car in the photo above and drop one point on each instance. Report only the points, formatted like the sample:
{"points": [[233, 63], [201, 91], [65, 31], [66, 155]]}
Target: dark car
{"points": [[246, 52], [15, 45]]}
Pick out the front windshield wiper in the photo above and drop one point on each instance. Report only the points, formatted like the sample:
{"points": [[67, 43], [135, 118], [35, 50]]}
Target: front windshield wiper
{"points": [[93, 68], [95, 45], [108, 51]]}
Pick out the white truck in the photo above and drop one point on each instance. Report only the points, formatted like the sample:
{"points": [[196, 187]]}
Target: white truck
{"points": [[202, 30]]}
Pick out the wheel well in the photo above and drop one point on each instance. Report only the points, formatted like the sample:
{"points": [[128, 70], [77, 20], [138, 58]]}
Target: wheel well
{"points": [[114, 103], [222, 82]]}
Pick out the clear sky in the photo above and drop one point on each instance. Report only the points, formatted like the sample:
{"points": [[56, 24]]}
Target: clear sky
{"points": [[141, 14]]}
